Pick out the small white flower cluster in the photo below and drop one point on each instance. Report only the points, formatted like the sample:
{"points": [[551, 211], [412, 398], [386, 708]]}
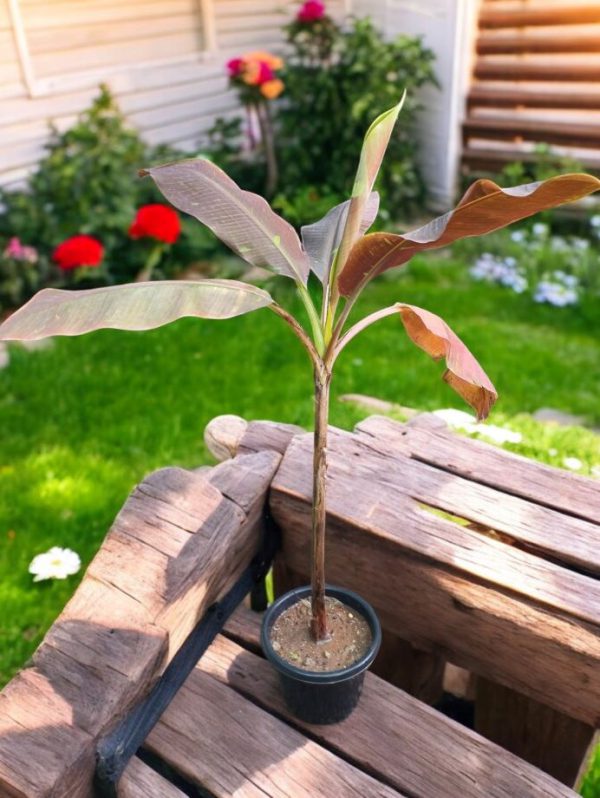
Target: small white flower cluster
{"points": [[558, 289], [595, 225], [504, 271], [57, 563]]}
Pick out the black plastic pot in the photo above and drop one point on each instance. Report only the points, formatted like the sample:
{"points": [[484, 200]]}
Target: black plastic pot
{"points": [[317, 696]]}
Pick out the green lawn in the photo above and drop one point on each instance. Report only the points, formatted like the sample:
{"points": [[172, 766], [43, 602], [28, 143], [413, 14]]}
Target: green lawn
{"points": [[82, 422]]}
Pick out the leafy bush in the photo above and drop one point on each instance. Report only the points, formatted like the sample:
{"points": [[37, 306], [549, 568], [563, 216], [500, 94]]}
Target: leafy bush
{"points": [[547, 163], [335, 79], [87, 183], [22, 271]]}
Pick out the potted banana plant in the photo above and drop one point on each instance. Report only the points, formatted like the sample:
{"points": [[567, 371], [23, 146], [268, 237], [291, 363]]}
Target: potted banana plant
{"points": [[321, 639]]}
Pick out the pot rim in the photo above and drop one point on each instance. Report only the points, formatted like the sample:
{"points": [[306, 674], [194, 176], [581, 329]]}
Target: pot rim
{"points": [[320, 677]]}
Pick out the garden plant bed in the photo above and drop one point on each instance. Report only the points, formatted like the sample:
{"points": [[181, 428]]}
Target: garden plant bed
{"points": [[503, 593]]}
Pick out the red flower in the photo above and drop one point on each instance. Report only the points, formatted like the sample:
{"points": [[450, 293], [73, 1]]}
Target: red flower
{"points": [[78, 251], [156, 221], [311, 11]]}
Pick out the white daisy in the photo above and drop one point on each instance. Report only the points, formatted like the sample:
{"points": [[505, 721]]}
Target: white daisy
{"points": [[56, 563]]}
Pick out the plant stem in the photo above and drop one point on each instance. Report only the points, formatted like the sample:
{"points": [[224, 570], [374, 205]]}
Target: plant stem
{"points": [[298, 332], [268, 139], [359, 327], [152, 261], [318, 626], [315, 323], [322, 379]]}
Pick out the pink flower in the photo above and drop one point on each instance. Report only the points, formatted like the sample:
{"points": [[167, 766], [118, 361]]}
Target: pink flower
{"points": [[311, 11], [18, 251], [235, 66]]}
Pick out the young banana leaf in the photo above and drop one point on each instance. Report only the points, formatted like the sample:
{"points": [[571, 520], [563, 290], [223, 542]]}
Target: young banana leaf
{"points": [[463, 373], [136, 306], [242, 220]]}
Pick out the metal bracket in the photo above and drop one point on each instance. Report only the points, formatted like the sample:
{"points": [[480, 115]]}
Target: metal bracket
{"points": [[116, 749]]}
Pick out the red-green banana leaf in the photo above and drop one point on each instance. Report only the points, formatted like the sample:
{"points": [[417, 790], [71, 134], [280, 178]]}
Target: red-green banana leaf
{"points": [[484, 208]]}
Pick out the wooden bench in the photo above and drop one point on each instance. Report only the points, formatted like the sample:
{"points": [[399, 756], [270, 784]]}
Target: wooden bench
{"points": [[469, 554]]}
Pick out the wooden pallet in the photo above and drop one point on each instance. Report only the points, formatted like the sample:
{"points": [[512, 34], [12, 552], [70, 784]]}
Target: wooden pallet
{"points": [[469, 554]]}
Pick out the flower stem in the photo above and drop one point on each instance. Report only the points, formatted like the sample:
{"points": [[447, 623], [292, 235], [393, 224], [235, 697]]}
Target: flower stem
{"points": [[151, 263], [268, 139]]}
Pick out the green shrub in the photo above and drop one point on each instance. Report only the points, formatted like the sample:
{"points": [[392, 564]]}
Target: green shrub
{"points": [[22, 272], [332, 91], [547, 163], [224, 148], [335, 79], [88, 183]]}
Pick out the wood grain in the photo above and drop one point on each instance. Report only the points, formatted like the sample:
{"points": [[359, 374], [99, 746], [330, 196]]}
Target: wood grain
{"points": [[489, 465], [481, 604], [140, 781], [368, 487], [42, 750], [227, 745], [274, 436], [542, 736], [177, 545], [391, 735], [419, 673], [545, 531]]}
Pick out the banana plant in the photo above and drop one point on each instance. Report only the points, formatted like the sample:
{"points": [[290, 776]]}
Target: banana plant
{"points": [[344, 258]]}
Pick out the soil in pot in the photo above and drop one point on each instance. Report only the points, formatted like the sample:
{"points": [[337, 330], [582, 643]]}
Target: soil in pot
{"points": [[350, 637]]}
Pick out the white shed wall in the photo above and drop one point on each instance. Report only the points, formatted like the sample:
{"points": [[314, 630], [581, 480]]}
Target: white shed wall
{"points": [[448, 27], [163, 59]]}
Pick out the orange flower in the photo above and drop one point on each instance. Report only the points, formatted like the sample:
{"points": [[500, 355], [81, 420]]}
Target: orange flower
{"points": [[256, 73], [272, 61], [272, 88]]}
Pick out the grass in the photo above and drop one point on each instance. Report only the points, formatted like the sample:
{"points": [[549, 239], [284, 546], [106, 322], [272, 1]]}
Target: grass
{"points": [[82, 422]]}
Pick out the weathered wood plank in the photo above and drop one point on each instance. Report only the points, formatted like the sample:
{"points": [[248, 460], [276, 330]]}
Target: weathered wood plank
{"points": [[570, 540], [228, 435], [178, 545], [274, 436], [227, 745], [43, 753], [481, 604], [489, 465], [530, 525], [542, 736], [140, 781], [365, 486], [392, 735], [419, 673]]}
